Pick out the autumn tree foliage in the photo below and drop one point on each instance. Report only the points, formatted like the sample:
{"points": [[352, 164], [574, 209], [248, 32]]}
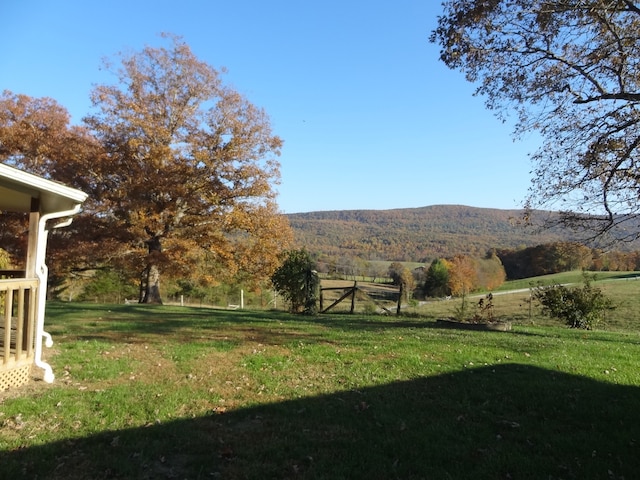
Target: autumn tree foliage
{"points": [[569, 70], [463, 276], [401, 276], [188, 171], [490, 271], [179, 169], [36, 136], [545, 259]]}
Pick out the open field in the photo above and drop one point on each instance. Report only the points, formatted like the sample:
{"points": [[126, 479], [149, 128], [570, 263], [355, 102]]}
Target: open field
{"points": [[177, 392], [574, 276], [512, 301]]}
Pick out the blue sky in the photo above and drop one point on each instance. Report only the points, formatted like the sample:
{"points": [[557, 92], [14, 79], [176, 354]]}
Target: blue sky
{"points": [[369, 116]]}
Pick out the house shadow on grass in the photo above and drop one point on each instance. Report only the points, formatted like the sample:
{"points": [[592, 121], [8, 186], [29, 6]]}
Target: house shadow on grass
{"points": [[505, 422]]}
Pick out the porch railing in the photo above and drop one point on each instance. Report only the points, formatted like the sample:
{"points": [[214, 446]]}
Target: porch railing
{"points": [[18, 306]]}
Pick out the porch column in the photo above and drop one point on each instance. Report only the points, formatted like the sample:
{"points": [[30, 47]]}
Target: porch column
{"points": [[34, 232], [30, 307]]}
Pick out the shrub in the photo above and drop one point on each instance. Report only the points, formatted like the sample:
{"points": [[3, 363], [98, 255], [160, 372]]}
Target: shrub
{"points": [[579, 307], [484, 310], [297, 281]]}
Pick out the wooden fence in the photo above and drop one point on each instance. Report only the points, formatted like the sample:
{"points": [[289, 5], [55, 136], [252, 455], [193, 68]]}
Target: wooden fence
{"points": [[381, 296]]}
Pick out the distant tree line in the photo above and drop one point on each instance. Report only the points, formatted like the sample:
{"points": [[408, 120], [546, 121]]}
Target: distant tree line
{"points": [[563, 257], [462, 274]]}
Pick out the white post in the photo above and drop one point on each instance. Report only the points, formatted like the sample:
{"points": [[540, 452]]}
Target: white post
{"points": [[182, 300], [241, 299], [42, 274]]}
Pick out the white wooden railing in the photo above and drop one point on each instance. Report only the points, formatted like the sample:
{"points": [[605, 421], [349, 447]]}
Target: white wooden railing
{"points": [[18, 306]]}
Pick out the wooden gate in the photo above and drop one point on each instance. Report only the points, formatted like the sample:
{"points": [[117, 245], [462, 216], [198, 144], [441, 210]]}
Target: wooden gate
{"points": [[371, 292]]}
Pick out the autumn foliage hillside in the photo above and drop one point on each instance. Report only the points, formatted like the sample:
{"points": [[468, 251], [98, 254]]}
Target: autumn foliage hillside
{"points": [[416, 234]]}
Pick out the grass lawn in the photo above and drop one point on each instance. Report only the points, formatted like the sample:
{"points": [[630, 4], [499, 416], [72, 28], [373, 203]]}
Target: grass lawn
{"points": [[148, 392]]}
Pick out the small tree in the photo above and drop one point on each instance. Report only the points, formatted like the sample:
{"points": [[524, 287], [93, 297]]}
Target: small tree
{"points": [[463, 276], [579, 307], [484, 310], [402, 277], [437, 279], [395, 272], [297, 281]]}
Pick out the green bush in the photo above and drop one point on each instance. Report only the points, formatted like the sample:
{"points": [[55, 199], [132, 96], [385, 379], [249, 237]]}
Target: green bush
{"points": [[297, 281], [579, 307]]}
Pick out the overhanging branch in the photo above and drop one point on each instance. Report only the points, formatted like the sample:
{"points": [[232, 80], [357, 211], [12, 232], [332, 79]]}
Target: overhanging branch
{"points": [[629, 97]]}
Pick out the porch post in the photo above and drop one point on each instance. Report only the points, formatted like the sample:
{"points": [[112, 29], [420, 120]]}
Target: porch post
{"points": [[32, 245], [29, 308]]}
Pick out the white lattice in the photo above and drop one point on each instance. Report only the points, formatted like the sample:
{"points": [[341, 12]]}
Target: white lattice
{"points": [[15, 377]]}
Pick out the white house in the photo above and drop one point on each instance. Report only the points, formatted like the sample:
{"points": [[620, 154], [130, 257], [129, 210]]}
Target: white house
{"points": [[49, 205]]}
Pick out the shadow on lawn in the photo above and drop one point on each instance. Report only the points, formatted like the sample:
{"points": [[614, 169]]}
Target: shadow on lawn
{"points": [[509, 421], [135, 323]]}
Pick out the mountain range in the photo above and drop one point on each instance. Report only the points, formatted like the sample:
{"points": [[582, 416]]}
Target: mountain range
{"points": [[417, 234]]}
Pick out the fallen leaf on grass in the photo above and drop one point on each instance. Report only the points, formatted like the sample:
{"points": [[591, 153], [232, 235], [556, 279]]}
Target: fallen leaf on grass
{"points": [[510, 423]]}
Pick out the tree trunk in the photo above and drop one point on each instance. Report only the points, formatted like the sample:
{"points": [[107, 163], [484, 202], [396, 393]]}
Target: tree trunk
{"points": [[152, 285], [150, 281]]}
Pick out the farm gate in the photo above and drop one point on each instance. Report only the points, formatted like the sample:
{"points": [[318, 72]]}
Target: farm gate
{"points": [[371, 296]]}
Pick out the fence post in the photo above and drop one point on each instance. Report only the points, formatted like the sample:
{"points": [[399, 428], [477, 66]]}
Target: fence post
{"points": [[353, 296]]}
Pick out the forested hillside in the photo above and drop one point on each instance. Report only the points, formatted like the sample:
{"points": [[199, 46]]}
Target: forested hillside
{"points": [[415, 234]]}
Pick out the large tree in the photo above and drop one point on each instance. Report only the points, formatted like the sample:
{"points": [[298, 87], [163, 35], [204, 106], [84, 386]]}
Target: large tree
{"points": [[179, 169], [188, 170], [570, 69]]}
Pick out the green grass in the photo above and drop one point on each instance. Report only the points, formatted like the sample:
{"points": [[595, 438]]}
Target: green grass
{"points": [[574, 276], [512, 301], [170, 392]]}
